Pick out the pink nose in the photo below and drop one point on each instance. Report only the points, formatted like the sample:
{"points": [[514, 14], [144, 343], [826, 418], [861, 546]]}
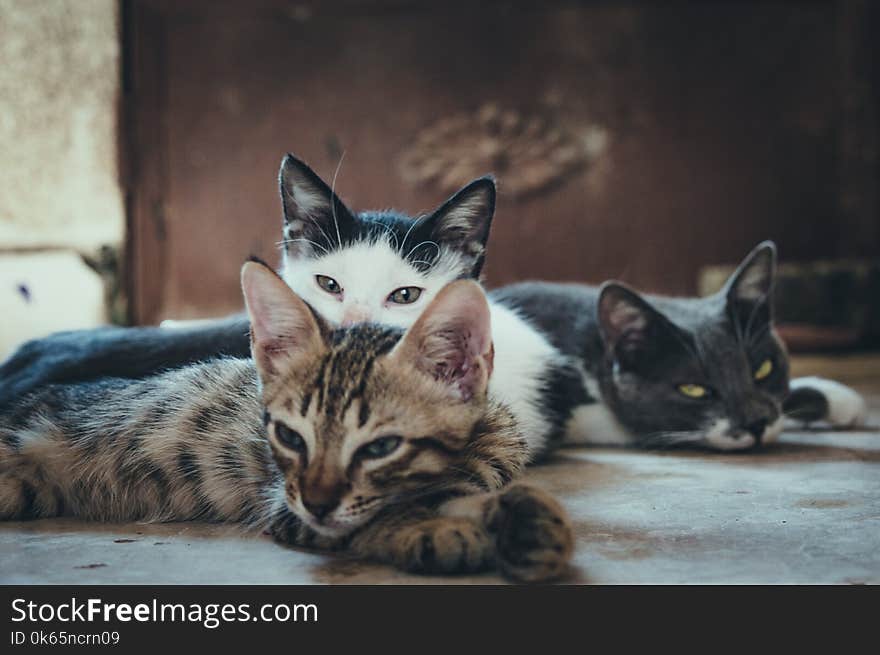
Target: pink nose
{"points": [[355, 315]]}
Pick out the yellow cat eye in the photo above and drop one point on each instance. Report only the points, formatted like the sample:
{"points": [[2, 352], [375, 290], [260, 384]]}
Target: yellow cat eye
{"points": [[765, 369], [693, 390]]}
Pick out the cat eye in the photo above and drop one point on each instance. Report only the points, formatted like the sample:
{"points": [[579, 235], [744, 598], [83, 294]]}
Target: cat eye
{"points": [[328, 284], [290, 438], [765, 369], [405, 295], [693, 390], [379, 447]]}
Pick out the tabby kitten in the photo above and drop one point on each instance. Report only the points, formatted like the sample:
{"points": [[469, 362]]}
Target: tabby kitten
{"points": [[368, 440], [661, 371]]}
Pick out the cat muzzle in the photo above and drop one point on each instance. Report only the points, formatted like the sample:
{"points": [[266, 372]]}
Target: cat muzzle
{"points": [[320, 510]]}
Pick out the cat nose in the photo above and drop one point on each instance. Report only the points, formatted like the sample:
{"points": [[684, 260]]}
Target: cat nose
{"points": [[757, 428], [355, 315], [320, 510], [321, 499]]}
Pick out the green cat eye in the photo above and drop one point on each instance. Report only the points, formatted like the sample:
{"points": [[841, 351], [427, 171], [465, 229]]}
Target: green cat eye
{"points": [[379, 447], [405, 295], [290, 438], [328, 284], [765, 369], [693, 390]]}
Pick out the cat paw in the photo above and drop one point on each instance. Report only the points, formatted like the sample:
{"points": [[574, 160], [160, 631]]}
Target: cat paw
{"points": [[444, 546], [843, 407], [533, 537]]}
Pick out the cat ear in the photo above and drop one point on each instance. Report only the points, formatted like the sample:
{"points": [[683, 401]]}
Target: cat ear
{"points": [[462, 223], [315, 219], [753, 280], [629, 325], [452, 340], [282, 325], [749, 291]]}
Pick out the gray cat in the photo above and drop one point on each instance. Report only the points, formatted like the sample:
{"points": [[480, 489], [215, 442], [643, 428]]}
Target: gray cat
{"points": [[661, 372]]}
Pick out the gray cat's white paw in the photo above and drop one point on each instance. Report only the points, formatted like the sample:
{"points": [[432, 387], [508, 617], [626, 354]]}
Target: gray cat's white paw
{"points": [[846, 407]]}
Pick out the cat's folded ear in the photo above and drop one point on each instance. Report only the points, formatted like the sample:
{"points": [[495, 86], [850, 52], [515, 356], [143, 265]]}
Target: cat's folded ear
{"points": [[629, 325], [452, 340], [749, 291], [462, 223], [316, 221], [283, 327]]}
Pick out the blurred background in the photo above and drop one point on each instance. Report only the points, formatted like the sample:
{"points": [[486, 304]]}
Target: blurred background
{"points": [[654, 143]]}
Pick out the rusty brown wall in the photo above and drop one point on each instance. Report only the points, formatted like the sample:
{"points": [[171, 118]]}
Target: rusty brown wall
{"points": [[630, 140]]}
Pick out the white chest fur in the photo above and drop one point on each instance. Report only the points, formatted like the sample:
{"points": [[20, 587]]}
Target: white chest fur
{"points": [[522, 355], [596, 425]]}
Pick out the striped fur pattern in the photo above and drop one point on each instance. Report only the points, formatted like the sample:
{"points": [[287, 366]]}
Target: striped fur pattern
{"points": [[184, 445], [365, 439]]}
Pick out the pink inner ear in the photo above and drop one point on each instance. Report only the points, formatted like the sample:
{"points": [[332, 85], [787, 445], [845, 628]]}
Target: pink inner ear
{"points": [[450, 360], [627, 318], [452, 339], [274, 347], [282, 330], [280, 322], [622, 318], [457, 357]]}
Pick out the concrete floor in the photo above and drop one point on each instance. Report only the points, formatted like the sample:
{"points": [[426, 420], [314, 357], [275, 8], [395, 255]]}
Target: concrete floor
{"points": [[805, 510]]}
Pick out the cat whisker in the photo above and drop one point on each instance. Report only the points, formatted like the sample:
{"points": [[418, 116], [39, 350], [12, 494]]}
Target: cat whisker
{"points": [[320, 229], [445, 484], [423, 243], [413, 496], [388, 233], [284, 242], [412, 226], [672, 438], [333, 199], [469, 476]]}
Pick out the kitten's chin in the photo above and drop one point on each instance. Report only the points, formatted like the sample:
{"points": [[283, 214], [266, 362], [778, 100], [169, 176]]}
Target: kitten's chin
{"points": [[330, 529]]}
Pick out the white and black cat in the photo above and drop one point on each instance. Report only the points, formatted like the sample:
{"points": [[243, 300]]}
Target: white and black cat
{"points": [[661, 372], [373, 266]]}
